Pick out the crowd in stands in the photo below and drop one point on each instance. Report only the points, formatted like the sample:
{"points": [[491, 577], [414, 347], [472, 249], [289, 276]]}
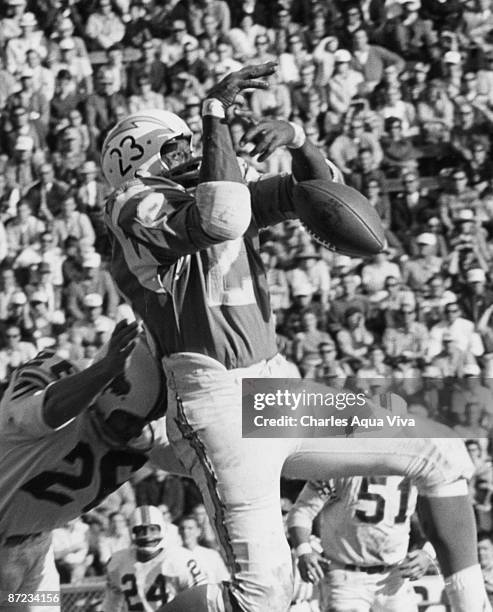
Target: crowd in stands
{"points": [[398, 93]]}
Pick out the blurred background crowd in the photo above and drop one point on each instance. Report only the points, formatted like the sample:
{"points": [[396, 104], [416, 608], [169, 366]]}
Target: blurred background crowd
{"points": [[398, 93]]}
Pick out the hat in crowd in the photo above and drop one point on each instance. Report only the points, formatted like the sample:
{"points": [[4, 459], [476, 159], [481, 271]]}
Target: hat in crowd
{"points": [[476, 275], [28, 19], [93, 300], [39, 296], [24, 143], [88, 167], [91, 260], [342, 56], [471, 369], [44, 267], [452, 57], [66, 44], [421, 67], [27, 73], [466, 214], [18, 298], [302, 289], [426, 238]]}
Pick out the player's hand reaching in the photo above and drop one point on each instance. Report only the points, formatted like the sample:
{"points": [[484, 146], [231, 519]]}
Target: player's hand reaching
{"points": [[415, 564], [121, 344], [249, 77], [310, 568], [267, 135]]}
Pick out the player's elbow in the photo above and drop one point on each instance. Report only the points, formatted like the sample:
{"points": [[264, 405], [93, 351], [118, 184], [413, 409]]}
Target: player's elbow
{"points": [[224, 208]]}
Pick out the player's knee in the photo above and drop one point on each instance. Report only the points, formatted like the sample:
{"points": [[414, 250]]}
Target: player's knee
{"points": [[224, 208]]}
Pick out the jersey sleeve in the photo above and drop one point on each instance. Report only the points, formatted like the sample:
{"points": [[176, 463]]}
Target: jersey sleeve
{"points": [[313, 497], [22, 410], [172, 223], [272, 200]]}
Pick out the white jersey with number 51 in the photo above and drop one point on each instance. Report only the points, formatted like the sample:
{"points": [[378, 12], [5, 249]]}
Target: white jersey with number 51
{"points": [[364, 521]]}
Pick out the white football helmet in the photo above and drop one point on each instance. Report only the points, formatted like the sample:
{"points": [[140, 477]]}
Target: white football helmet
{"points": [[135, 143], [142, 518]]}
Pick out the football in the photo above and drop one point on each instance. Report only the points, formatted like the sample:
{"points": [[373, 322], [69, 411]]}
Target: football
{"points": [[339, 217]]}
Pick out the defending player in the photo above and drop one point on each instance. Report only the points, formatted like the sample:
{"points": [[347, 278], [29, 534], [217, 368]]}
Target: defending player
{"points": [[68, 439], [149, 574], [188, 262], [365, 525]]}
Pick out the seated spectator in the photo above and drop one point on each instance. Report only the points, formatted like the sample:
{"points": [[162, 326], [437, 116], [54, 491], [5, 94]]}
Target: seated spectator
{"points": [[432, 304], [94, 280], [380, 201], [374, 274], [354, 338], [330, 370], [470, 424], [350, 297], [470, 389], [307, 342], [450, 361], [415, 86], [409, 34], [43, 78], [406, 336], [394, 108], [456, 198], [274, 103], [410, 208], [46, 322], [71, 222], [15, 352], [145, 98], [20, 169], [150, 66], [78, 67], [95, 328], [310, 270], [479, 169], [370, 60], [137, 27], [104, 28], [418, 270], [117, 537], [30, 38], [458, 328], [192, 64], [225, 61], [364, 169], [207, 537], [198, 13], [342, 88], [8, 287], [469, 128], [434, 112], [400, 156], [46, 194], [71, 548], [24, 230], [206, 558], [243, 37], [346, 147]]}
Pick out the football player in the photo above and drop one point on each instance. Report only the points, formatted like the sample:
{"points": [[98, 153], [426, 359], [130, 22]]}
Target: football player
{"points": [[186, 257], [67, 440], [150, 573], [365, 524]]}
